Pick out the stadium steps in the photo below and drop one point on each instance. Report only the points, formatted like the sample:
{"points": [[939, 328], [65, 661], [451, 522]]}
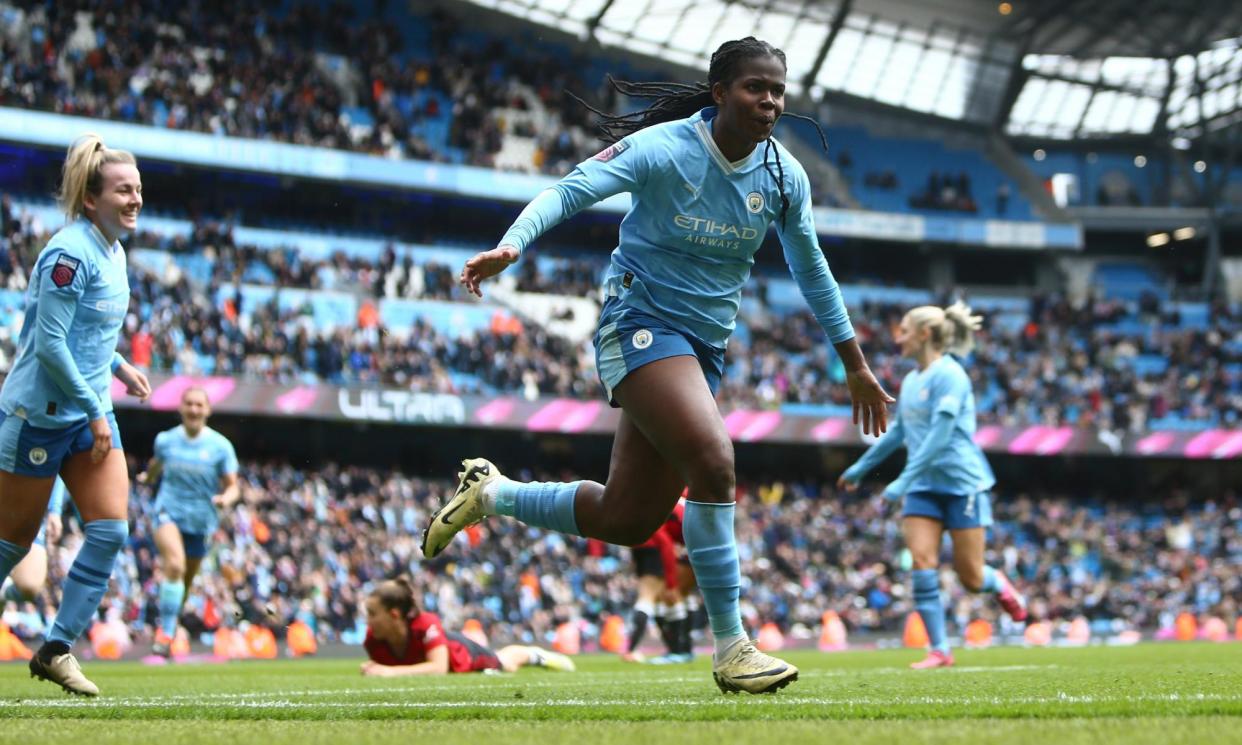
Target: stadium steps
{"points": [[548, 311], [818, 168], [1029, 184]]}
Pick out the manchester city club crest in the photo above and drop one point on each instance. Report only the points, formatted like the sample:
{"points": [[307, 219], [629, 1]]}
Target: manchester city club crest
{"points": [[754, 202], [642, 339]]}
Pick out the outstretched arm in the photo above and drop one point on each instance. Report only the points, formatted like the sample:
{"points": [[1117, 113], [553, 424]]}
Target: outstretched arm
{"points": [[619, 168], [437, 664]]}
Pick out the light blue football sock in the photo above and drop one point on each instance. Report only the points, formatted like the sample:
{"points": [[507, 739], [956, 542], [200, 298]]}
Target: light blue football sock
{"points": [[991, 585], [710, 543], [88, 579], [543, 504], [927, 603], [170, 597]]}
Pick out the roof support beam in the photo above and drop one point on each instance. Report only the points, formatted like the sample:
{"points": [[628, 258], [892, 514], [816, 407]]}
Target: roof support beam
{"points": [[593, 24], [838, 21]]}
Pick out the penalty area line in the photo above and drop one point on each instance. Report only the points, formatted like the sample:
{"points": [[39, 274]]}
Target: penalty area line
{"points": [[775, 701]]}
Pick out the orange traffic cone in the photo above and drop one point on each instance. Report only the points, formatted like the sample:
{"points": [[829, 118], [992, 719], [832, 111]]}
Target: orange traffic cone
{"points": [[220, 646], [300, 639], [180, 646], [1185, 628], [1215, 630], [105, 642], [473, 630], [1038, 634], [11, 648], [978, 634], [568, 639], [612, 638], [261, 642], [770, 638], [230, 644], [1079, 632], [915, 635], [832, 636]]}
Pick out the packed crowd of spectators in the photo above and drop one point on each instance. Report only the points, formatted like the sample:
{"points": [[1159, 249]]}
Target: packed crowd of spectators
{"points": [[303, 75], [1060, 365], [310, 542], [293, 76]]}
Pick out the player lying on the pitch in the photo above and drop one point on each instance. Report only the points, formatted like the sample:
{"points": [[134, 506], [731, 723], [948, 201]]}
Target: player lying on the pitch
{"points": [[403, 639]]}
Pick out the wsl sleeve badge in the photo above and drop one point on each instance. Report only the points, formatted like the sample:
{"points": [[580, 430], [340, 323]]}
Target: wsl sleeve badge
{"points": [[612, 151], [64, 270]]}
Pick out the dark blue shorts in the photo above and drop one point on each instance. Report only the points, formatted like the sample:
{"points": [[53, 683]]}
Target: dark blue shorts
{"points": [[954, 511], [195, 544], [27, 450], [628, 339]]}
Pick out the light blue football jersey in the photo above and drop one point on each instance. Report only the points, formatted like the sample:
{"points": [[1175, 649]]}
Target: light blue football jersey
{"points": [[192, 468], [688, 243], [75, 304], [960, 467]]}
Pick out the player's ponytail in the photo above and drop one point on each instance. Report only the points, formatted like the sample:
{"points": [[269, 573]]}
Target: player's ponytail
{"points": [[958, 329], [82, 172], [950, 329], [397, 594]]}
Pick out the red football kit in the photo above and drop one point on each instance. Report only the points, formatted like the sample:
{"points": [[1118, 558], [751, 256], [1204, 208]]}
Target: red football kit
{"points": [[427, 633]]}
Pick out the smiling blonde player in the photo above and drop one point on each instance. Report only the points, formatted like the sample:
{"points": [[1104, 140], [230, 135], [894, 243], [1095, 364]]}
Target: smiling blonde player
{"points": [[56, 404]]}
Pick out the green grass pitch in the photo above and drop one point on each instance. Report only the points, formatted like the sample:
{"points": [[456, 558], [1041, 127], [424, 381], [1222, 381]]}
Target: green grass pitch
{"points": [[1153, 693]]}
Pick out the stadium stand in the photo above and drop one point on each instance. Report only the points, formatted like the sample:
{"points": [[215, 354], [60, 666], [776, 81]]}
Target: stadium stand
{"points": [[1124, 359]]}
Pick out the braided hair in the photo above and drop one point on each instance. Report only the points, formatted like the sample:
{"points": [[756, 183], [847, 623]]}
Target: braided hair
{"points": [[671, 101]]}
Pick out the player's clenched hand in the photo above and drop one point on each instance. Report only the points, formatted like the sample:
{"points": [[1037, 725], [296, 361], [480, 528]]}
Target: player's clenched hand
{"points": [[102, 435], [870, 401], [486, 264]]}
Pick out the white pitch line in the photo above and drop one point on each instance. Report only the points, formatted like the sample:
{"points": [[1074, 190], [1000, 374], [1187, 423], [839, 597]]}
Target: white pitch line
{"points": [[494, 683], [777, 701], [960, 670]]}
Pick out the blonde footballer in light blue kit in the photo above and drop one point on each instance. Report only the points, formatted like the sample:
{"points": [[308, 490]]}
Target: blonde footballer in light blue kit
{"points": [[947, 479], [56, 404]]}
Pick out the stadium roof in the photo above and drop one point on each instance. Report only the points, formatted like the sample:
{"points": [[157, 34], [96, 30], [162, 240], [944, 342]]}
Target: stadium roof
{"points": [[1050, 68]]}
